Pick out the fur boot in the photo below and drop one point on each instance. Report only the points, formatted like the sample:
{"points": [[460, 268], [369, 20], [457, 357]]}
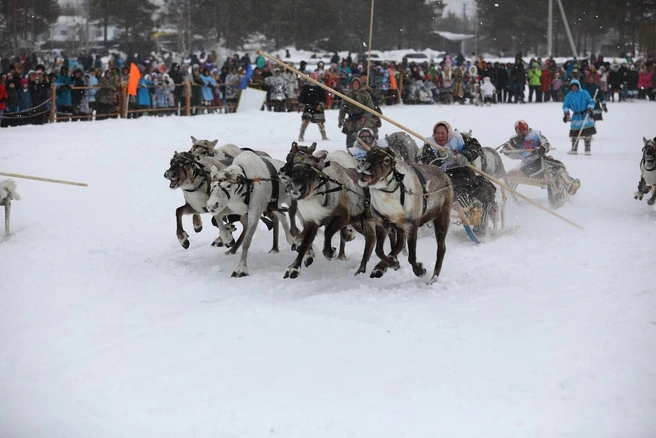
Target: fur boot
{"points": [[304, 125], [588, 145], [322, 128], [575, 147]]}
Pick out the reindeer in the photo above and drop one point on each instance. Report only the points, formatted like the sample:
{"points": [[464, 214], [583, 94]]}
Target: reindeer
{"points": [[647, 172], [406, 197], [403, 146], [297, 153], [250, 187], [192, 176], [328, 194]]}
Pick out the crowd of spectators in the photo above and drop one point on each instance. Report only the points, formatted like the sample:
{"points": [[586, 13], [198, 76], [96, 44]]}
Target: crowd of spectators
{"points": [[86, 87]]}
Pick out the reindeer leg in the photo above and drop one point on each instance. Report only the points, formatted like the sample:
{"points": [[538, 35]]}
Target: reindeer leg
{"points": [[235, 245], [652, 200], [183, 237], [441, 227], [369, 233], [642, 189], [417, 267], [293, 229], [289, 237], [276, 234], [246, 237], [309, 233], [390, 260], [331, 229], [198, 223]]}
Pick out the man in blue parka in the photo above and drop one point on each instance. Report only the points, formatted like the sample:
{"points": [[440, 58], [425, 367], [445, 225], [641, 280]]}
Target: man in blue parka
{"points": [[581, 119]]}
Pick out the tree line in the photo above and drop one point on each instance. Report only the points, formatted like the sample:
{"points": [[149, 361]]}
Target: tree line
{"points": [[498, 26]]}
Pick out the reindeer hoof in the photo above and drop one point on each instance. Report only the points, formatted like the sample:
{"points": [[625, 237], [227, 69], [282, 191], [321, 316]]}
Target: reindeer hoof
{"points": [[329, 253], [185, 244], [376, 273], [348, 234], [419, 270], [230, 244], [396, 266], [199, 229], [307, 261], [433, 279], [360, 271], [274, 251], [231, 251], [342, 257], [291, 272], [239, 274], [651, 202]]}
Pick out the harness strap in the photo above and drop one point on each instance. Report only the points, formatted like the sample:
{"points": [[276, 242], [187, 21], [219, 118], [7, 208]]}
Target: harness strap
{"points": [[248, 183], [275, 187], [203, 181], [422, 180]]}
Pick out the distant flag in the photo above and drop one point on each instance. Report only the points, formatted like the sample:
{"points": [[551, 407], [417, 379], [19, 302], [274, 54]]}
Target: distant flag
{"points": [[247, 76], [134, 79]]}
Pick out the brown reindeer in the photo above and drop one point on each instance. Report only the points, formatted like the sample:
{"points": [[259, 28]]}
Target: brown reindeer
{"points": [[406, 197]]}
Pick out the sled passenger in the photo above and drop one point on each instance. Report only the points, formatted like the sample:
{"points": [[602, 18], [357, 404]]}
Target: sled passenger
{"points": [[367, 140], [461, 150], [531, 146]]}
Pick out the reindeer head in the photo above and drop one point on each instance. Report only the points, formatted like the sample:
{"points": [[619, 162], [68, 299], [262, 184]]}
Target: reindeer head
{"points": [[183, 169], [202, 148], [378, 165], [222, 187], [306, 175], [649, 153]]}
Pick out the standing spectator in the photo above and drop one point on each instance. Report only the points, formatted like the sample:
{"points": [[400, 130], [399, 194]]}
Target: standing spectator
{"points": [[615, 83], [207, 90], [556, 85], [594, 90], [64, 98], [77, 93], [3, 99], [580, 103], [545, 84], [11, 112], [24, 103], [278, 91], [291, 89], [176, 77], [143, 102], [231, 95], [534, 82], [39, 91], [196, 89], [313, 99], [106, 98], [93, 82], [518, 81], [644, 83], [357, 117], [503, 86], [488, 90]]}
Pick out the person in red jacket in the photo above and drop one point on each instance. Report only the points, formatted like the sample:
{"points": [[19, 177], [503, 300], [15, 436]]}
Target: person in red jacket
{"points": [[3, 99], [545, 84]]}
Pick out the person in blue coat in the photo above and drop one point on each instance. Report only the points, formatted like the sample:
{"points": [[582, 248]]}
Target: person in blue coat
{"points": [[208, 88], [581, 105], [64, 99], [143, 93]]}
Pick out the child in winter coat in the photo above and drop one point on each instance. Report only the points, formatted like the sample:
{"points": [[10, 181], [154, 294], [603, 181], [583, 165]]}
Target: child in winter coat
{"points": [[556, 85], [488, 90]]}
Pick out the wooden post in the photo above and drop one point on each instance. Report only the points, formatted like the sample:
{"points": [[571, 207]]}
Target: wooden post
{"points": [[399, 87], [53, 102], [122, 97], [187, 98]]}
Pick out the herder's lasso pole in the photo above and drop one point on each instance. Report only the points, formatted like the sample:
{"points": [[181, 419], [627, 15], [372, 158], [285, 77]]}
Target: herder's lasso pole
{"points": [[38, 178], [410, 131]]}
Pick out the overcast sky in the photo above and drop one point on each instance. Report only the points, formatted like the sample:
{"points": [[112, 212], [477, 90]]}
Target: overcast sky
{"points": [[455, 6]]}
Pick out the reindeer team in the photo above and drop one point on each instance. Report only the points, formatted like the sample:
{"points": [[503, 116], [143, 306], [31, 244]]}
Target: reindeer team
{"points": [[388, 196]]}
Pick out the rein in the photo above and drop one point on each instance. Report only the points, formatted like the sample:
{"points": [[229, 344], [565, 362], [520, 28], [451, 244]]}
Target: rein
{"points": [[199, 170]]}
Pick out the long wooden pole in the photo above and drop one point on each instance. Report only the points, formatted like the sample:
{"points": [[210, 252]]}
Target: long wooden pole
{"points": [[354, 102], [409, 131], [371, 33], [38, 178]]}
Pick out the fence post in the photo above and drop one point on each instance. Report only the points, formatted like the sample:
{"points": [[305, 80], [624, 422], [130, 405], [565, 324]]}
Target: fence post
{"points": [[399, 86], [187, 98], [123, 100], [53, 102]]}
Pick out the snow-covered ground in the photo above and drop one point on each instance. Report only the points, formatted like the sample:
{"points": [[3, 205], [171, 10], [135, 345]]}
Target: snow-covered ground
{"points": [[109, 328]]}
